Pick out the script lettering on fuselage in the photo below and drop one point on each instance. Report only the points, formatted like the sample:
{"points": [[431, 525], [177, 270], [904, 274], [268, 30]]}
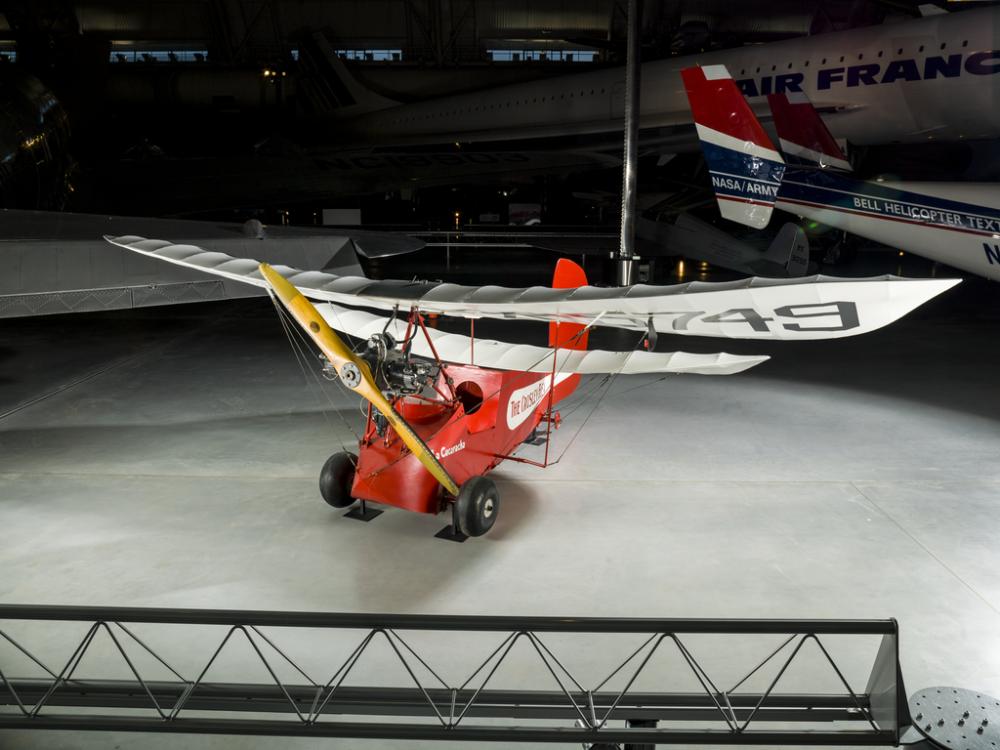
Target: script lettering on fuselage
{"points": [[875, 73], [524, 401], [449, 450]]}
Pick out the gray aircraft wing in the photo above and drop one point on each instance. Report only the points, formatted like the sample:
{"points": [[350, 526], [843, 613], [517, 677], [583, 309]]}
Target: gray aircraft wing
{"points": [[59, 262]]}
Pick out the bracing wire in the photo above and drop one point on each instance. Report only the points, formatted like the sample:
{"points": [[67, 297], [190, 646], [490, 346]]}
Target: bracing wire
{"points": [[302, 359], [609, 380], [300, 350]]}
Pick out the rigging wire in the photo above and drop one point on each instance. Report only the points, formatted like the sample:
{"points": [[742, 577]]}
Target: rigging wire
{"points": [[301, 351], [302, 358], [644, 385], [610, 380]]}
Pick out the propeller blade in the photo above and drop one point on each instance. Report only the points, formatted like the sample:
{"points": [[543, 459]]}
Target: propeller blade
{"points": [[353, 371]]}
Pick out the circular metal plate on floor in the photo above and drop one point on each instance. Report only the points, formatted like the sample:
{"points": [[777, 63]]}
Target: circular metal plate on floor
{"points": [[956, 718]]}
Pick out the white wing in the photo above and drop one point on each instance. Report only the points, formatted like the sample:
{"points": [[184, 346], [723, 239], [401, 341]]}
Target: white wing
{"points": [[499, 355], [815, 307]]}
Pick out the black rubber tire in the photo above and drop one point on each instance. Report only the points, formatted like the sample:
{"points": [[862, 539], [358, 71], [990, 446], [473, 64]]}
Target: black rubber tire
{"points": [[477, 506], [336, 479]]}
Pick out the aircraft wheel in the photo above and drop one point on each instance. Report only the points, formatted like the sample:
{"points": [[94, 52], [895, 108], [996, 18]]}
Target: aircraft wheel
{"points": [[336, 478], [477, 506]]}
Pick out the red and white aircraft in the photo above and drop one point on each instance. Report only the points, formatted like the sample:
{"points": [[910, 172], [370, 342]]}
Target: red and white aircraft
{"points": [[447, 408]]}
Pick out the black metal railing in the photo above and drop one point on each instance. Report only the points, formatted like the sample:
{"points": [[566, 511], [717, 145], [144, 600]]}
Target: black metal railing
{"points": [[317, 695]]}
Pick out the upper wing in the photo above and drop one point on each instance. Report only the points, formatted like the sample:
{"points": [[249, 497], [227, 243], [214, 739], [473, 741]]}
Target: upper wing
{"points": [[499, 355], [815, 307]]}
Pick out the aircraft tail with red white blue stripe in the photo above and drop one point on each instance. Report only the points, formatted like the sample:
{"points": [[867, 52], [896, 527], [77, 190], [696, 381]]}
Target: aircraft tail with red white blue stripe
{"points": [[745, 167], [802, 135]]}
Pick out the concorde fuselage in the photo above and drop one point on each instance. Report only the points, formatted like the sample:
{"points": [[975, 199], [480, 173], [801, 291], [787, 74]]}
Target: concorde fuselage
{"points": [[928, 78]]}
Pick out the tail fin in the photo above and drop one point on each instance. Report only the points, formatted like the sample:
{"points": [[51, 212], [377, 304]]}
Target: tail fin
{"points": [[802, 135], [790, 249], [568, 275], [745, 167], [331, 89]]}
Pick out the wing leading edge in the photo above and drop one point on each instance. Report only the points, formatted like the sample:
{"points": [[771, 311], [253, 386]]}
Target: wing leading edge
{"points": [[814, 307]]}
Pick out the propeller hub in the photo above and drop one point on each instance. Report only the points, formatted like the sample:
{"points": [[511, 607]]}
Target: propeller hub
{"points": [[350, 375]]}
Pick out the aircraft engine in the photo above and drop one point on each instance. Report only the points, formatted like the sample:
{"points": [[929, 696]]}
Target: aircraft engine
{"points": [[395, 372]]}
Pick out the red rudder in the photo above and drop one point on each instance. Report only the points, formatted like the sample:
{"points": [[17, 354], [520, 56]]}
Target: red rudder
{"points": [[568, 275]]}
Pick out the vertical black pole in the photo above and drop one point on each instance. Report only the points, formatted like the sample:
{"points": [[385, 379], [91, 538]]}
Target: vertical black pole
{"points": [[626, 247]]}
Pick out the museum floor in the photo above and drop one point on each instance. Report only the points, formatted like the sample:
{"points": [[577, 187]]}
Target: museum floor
{"points": [[169, 458]]}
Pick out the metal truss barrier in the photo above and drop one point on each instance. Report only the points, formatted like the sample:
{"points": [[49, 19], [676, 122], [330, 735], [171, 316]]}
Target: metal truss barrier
{"points": [[113, 298], [319, 695]]}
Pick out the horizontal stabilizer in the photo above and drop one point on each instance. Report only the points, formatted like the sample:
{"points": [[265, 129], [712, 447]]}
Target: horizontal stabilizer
{"points": [[803, 136], [746, 169], [929, 9], [385, 244], [813, 307]]}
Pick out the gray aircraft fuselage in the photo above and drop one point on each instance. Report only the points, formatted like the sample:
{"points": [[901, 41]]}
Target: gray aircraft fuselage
{"points": [[928, 78]]}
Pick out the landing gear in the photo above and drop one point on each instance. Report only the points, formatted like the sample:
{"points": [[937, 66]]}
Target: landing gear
{"points": [[335, 482], [477, 506], [474, 511], [336, 479]]}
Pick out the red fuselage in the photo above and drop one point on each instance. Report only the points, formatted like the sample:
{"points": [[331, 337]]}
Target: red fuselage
{"points": [[491, 414]]}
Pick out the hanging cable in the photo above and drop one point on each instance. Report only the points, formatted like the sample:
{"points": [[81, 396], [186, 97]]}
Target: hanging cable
{"points": [[301, 352]]}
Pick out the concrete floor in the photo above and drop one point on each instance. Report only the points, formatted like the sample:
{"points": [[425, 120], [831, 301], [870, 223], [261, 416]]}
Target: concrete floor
{"points": [[169, 458]]}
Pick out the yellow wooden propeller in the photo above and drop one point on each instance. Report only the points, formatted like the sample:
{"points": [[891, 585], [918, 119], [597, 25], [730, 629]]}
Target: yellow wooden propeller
{"points": [[353, 371]]}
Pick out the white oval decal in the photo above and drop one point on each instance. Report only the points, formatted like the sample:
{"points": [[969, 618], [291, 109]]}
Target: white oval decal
{"points": [[524, 401]]}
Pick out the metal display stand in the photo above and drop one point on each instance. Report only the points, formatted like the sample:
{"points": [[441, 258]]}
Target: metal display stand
{"points": [[956, 718], [549, 703], [361, 512]]}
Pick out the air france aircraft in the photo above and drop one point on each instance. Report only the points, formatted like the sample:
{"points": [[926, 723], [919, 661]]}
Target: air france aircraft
{"points": [[927, 78], [954, 223]]}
